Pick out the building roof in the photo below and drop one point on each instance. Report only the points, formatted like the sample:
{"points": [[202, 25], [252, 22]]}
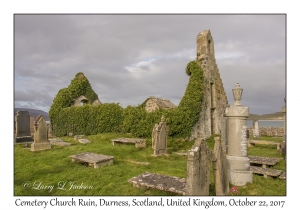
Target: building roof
{"points": [[162, 103]]}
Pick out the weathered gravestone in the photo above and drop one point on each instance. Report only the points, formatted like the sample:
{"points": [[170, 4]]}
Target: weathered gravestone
{"points": [[139, 143], [255, 129], [84, 141], [159, 137], [160, 182], [198, 169], [220, 168], [59, 142], [41, 141], [92, 159], [31, 125], [238, 161], [23, 133]]}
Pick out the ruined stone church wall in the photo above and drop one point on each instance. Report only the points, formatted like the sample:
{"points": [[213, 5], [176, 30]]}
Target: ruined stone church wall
{"points": [[211, 120]]}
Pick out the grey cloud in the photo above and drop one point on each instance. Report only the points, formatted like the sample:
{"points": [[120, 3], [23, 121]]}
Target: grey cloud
{"points": [[51, 49], [32, 99]]}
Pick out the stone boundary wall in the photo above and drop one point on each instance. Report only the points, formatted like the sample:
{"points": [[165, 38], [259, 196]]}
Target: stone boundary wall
{"points": [[268, 131]]}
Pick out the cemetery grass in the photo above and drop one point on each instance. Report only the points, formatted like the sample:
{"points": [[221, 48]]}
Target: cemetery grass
{"points": [[268, 138], [36, 172]]}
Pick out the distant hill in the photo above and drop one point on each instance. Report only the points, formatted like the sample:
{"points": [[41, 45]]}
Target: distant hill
{"points": [[273, 116], [34, 113]]}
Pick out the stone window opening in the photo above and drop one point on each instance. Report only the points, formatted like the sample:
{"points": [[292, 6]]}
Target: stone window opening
{"points": [[83, 102]]}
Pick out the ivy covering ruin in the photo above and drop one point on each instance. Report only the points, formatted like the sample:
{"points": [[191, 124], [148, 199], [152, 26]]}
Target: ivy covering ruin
{"points": [[111, 117]]}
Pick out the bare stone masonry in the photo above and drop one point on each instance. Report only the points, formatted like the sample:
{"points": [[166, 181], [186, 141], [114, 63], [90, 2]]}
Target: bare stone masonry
{"points": [[41, 141], [198, 169], [159, 137], [220, 168], [23, 133], [211, 120], [153, 103]]}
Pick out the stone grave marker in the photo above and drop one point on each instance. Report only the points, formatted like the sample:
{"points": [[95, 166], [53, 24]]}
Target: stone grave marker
{"points": [[159, 137], [59, 142], [238, 162], [160, 182], [139, 143], [77, 137], [92, 159], [255, 129], [23, 133], [220, 168], [198, 169], [41, 141], [282, 145], [84, 141]]}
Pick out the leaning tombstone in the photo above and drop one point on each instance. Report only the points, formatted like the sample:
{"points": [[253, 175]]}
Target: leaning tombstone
{"points": [[23, 134], [41, 141], [220, 168], [159, 137], [198, 169]]}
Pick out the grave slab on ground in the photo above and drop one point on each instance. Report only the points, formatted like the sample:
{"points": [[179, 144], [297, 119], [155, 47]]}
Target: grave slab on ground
{"points": [[59, 142], [267, 172], [159, 181], [283, 176], [138, 142], [264, 161], [137, 162], [263, 142], [84, 141], [92, 159], [77, 137]]}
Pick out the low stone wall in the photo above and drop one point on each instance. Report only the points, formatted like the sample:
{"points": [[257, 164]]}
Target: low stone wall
{"points": [[268, 131]]}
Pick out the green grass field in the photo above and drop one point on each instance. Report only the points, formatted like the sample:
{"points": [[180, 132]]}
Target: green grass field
{"points": [[52, 172]]}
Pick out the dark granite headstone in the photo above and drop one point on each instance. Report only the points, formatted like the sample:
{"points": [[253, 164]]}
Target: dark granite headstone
{"points": [[22, 120]]}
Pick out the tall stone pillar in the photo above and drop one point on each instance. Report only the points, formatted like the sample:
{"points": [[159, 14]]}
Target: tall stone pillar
{"points": [[238, 162], [282, 145], [284, 121]]}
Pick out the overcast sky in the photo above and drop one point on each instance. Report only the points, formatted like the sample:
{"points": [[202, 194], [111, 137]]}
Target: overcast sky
{"points": [[128, 58]]}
